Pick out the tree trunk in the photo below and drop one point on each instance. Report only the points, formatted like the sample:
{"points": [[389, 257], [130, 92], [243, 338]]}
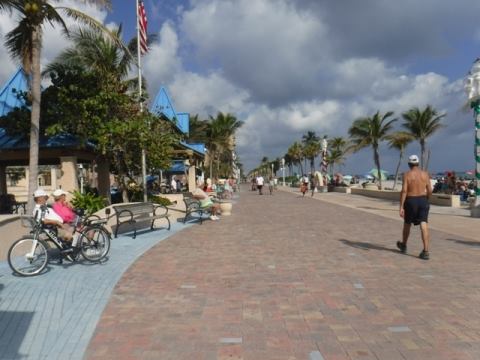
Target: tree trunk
{"points": [[422, 155], [376, 157], [35, 90], [398, 168], [211, 165], [427, 161], [312, 165]]}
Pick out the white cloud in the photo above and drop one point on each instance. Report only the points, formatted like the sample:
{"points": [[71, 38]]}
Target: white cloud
{"points": [[207, 94], [289, 66], [53, 39], [162, 63]]}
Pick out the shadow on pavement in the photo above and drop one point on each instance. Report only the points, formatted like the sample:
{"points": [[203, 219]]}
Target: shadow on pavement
{"points": [[369, 246], [466, 242], [15, 325]]}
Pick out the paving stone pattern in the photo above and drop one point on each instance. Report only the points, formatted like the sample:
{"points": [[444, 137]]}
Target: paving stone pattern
{"points": [[53, 315], [276, 280]]}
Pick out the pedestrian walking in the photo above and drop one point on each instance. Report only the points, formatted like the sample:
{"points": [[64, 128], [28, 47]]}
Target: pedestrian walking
{"points": [[260, 182], [271, 185], [414, 206], [304, 185], [313, 183]]}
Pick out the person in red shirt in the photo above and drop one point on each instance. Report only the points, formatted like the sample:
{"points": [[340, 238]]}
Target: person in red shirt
{"points": [[62, 207]]}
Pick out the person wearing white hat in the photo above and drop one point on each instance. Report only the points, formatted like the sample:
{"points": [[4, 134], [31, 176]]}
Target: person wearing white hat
{"points": [[62, 207], [414, 206], [48, 216]]}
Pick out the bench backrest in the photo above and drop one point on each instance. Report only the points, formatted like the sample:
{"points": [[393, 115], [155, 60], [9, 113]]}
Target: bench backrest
{"points": [[135, 209], [191, 202]]}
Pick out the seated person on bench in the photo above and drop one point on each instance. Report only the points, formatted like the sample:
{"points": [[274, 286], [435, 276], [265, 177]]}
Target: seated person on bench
{"points": [[206, 202], [50, 217]]}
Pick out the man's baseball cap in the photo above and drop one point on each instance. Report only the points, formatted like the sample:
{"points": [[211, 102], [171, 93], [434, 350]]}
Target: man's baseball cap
{"points": [[40, 193], [58, 193], [413, 159]]}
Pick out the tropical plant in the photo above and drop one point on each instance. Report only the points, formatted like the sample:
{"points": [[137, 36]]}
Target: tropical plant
{"points": [[24, 43], [337, 151], [197, 129], [370, 131], [422, 124], [335, 156], [220, 140], [89, 202], [399, 140], [295, 152], [97, 53], [311, 148]]}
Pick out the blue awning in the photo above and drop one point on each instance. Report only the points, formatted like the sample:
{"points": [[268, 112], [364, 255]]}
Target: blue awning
{"points": [[9, 94]]}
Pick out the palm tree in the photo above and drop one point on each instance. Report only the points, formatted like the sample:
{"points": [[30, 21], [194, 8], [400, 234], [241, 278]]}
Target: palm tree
{"points": [[336, 156], [197, 129], [311, 148], [399, 140], [92, 51], [221, 137], [295, 152], [422, 124], [370, 131], [24, 43], [338, 149], [289, 163]]}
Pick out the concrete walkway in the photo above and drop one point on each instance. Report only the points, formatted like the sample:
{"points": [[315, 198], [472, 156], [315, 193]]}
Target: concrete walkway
{"points": [[451, 220], [53, 315], [293, 278]]}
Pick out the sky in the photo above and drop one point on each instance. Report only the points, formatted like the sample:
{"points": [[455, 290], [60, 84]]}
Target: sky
{"points": [[286, 67]]}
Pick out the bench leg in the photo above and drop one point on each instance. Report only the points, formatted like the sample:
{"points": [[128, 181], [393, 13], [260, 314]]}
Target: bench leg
{"points": [[185, 218], [169, 225], [151, 225], [135, 232]]}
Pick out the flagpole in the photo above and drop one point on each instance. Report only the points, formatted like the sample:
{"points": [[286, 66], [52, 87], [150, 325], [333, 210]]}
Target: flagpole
{"points": [[139, 59]]}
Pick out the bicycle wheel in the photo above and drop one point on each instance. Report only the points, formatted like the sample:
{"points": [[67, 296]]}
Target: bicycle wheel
{"points": [[27, 258], [94, 243]]}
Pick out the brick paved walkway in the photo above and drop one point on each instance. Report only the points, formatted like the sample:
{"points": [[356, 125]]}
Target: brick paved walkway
{"points": [[292, 278]]}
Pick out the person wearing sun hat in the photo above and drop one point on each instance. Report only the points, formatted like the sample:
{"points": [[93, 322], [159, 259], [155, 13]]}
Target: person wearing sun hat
{"points": [[414, 206], [48, 216], [62, 207]]}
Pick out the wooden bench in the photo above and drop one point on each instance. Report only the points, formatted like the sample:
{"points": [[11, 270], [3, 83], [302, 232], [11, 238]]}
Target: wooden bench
{"points": [[137, 213], [192, 205]]}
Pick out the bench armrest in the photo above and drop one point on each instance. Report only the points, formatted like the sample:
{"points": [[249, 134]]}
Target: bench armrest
{"points": [[119, 214], [159, 206]]}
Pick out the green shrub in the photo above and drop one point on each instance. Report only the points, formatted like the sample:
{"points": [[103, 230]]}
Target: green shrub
{"points": [[160, 200], [88, 202]]}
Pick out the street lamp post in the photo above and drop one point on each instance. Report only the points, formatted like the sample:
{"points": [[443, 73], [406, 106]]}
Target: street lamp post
{"points": [[472, 87]]}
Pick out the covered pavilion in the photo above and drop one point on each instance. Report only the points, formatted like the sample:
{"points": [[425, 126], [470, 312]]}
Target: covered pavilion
{"points": [[63, 152], [188, 157]]}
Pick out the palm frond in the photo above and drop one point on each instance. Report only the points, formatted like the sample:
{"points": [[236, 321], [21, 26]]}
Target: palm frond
{"points": [[19, 43], [94, 24]]}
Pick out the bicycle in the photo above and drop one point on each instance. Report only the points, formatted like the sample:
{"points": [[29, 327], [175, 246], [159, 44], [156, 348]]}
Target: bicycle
{"points": [[30, 254]]}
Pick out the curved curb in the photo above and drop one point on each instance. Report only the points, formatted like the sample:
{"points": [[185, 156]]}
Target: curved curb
{"points": [[54, 315]]}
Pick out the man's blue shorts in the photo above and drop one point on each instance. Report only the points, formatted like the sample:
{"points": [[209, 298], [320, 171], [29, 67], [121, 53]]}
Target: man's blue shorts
{"points": [[416, 209]]}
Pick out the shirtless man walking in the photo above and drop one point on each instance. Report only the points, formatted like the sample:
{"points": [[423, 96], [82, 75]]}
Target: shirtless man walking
{"points": [[414, 206]]}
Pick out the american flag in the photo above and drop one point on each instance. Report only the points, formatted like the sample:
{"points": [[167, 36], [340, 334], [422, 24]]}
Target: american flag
{"points": [[142, 28]]}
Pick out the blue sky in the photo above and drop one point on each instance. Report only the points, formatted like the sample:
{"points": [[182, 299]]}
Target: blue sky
{"points": [[285, 67], [157, 13]]}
